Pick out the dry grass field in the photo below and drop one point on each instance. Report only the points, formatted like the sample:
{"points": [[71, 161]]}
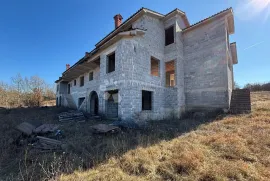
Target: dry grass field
{"points": [[228, 147]]}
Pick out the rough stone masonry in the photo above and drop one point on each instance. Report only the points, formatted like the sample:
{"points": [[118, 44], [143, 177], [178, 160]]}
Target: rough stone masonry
{"points": [[162, 66]]}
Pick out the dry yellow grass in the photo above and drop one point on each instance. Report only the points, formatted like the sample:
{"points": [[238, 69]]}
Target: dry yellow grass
{"points": [[230, 147], [236, 147]]}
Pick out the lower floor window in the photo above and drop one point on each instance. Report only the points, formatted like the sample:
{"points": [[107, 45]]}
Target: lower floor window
{"points": [[80, 101], [146, 100]]}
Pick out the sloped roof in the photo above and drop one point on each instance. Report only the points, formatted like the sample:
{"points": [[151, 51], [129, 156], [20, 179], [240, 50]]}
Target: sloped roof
{"points": [[228, 10], [120, 28], [142, 10]]}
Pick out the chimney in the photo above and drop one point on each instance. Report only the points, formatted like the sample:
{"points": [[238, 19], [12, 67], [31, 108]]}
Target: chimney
{"points": [[67, 66], [117, 20]]}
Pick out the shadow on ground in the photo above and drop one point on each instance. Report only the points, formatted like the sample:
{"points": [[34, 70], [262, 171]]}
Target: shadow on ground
{"points": [[84, 149]]}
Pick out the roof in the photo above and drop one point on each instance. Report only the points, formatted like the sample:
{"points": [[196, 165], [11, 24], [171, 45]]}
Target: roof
{"points": [[119, 29], [142, 10], [228, 10]]}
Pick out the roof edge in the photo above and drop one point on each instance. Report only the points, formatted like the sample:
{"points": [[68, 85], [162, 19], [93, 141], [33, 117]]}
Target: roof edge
{"points": [[221, 13]]}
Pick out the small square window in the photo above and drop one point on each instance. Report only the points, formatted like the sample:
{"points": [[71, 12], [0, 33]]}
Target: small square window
{"points": [[111, 62], [75, 82], [91, 76], [146, 100], [81, 81], [169, 35], [80, 101]]}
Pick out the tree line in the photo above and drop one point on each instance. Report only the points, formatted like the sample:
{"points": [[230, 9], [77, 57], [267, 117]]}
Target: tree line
{"points": [[253, 87], [25, 91]]}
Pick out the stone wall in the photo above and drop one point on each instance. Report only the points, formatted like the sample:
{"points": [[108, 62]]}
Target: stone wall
{"points": [[205, 66], [200, 68]]}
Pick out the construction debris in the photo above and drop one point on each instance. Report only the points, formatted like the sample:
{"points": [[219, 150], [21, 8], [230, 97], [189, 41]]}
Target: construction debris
{"points": [[104, 128], [26, 128], [44, 143], [46, 128], [71, 116], [29, 136], [48, 140]]}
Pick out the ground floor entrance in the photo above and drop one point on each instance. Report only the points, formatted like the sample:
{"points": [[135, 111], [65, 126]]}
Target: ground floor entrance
{"points": [[112, 104], [94, 103]]}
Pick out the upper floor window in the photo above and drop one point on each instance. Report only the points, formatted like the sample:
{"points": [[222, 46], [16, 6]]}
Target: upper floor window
{"points": [[75, 82], [57, 88], [154, 66], [169, 35], [81, 81], [91, 76], [170, 73], [111, 62]]}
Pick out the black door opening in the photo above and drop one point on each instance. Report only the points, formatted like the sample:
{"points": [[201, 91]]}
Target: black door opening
{"points": [[94, 103]]}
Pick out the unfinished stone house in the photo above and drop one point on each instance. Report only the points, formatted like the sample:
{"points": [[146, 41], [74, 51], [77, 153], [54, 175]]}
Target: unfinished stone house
{"points": [[154, 66]]}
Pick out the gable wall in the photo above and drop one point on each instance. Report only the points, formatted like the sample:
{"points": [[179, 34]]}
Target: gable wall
{"points": [[206, 80]]}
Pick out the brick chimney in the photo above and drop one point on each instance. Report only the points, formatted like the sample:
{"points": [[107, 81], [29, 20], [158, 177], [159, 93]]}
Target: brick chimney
{"points": [[67, 66], [117, 20]]}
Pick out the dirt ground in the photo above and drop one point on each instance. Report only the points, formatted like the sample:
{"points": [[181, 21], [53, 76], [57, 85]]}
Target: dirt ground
{"points": [[84, 149], [131, 151]]}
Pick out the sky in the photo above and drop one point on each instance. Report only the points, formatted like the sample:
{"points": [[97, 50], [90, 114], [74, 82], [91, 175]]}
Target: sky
{"points": [[41, 37]]}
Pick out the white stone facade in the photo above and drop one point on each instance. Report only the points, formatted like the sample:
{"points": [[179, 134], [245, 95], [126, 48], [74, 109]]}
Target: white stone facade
{"points": [[203, 79]]}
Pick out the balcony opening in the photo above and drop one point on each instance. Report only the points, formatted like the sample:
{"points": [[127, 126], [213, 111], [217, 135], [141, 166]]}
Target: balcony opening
{"points": [[169, 35], [170, 73], [154, 66]]}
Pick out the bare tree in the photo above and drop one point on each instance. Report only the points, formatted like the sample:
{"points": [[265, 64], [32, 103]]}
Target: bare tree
{"points": [[25, 91], [235, 85], [17, 82]]}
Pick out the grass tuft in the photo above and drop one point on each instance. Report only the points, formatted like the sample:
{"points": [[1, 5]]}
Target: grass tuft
{"points": [[228, 147]]}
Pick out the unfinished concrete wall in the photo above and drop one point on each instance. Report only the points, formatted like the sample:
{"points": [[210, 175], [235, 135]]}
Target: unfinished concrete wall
{"points": [[201, 71], [206, 81], [136, 56], [205, 65], [76, 91]]}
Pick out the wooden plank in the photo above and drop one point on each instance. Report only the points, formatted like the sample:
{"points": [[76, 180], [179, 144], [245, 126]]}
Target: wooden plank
{"points": [[46, 128], [48, 140]]}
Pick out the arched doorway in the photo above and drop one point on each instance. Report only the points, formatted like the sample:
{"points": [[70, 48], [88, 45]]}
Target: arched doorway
{"points": [[93, 103]]}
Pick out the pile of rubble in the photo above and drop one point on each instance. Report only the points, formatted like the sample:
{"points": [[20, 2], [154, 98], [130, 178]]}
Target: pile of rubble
{"points": [[70, 116], [33, 135]]}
